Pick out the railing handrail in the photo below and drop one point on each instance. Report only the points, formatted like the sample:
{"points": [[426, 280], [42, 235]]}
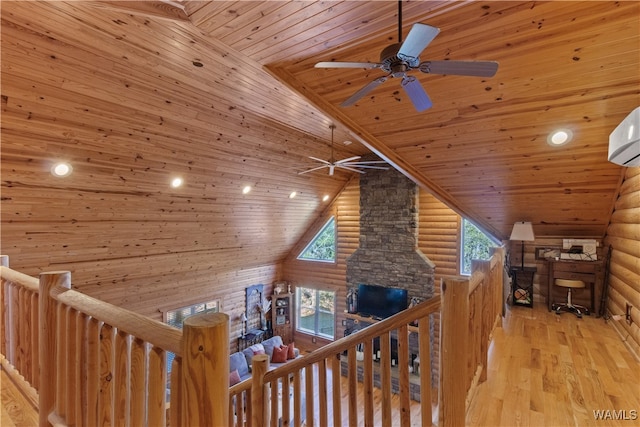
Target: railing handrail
{"points": [[152, 331], [421, 310], [24, 280]]}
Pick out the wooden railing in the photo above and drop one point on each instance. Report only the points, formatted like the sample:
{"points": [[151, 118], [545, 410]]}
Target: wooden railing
{"points": [[93, 363], [100, 364], [468, 309]]}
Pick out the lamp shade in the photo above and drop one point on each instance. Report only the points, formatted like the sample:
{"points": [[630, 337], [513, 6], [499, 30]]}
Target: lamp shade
{"points": [[522, 231]]}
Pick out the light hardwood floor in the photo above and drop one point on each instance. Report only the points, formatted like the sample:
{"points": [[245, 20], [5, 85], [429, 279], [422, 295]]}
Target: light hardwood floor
{"points": [[556, 370], [544, 370]]}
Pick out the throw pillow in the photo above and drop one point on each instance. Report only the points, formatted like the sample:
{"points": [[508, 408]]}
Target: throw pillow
{"points": [[279, 354], [234, 378], [290, 351], [257, 349]]}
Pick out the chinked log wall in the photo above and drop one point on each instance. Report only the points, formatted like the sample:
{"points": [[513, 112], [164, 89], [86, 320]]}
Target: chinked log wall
{"points": [[623, 234], [101, 364]]}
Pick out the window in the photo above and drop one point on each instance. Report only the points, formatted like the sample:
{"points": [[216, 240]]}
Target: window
{"points": [[315, 312], [176, 318], [323, 246], [475, 245]]}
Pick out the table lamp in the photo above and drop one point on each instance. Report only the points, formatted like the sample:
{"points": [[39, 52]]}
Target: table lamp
{"points": [[524, 232], [243, 318]]}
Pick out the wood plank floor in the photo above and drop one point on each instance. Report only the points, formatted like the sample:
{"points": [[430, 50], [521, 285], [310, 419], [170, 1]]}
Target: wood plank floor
{"points": [[544, 370], [556, 370]]}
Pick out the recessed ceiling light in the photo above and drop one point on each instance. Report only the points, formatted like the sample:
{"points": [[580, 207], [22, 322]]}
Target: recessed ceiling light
{"points": [[347, 142], [61, 169], [293, 194], [246, 189], [559, 137], [176, 182], [325, 198]]}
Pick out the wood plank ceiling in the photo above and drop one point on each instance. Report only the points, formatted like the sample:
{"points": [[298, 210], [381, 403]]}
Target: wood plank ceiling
{"points": [[225, 94]]}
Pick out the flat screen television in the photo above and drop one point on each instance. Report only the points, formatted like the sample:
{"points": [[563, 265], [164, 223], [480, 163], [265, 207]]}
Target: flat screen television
{"points": [[379, 301]]}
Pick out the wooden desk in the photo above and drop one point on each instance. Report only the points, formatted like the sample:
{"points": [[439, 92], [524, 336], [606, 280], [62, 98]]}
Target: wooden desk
{"points": [[587, 271]]}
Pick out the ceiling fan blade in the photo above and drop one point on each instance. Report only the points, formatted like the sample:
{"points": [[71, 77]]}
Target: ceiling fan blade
{"points": [[416, 93], [365, 166], [418, 38], [366, 162], [350, 159], [332, 64], [319, 160], [460, 68], [365, 90], [313, 169], [349, 168]]}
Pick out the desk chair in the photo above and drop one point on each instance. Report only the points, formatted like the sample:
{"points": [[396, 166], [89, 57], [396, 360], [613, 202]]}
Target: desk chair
{"points": [[569, 306]]}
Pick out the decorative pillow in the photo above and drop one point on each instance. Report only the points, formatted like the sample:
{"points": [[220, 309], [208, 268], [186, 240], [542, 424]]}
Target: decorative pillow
{"points": [[257, 349], [279, 354], [234, 378], [291, 351]]}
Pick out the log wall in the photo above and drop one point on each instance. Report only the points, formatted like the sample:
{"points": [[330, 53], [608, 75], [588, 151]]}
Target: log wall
{"points": [[623, 234]]}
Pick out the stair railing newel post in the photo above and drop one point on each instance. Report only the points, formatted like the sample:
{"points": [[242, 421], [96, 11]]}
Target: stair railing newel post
{"points": [[205, 370], [453, 354], [260, 415], [48, 336]]}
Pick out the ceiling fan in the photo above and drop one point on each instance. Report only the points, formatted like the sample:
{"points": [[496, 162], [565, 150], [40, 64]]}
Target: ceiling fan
{"points": [[400, 58], [350, 164]]}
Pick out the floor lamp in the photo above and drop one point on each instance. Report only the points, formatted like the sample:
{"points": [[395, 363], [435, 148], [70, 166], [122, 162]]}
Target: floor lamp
{"points": [[524, 232]]}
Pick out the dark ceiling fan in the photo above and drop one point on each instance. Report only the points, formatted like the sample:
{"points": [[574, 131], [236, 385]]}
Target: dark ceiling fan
{"points": [[398, 59]]}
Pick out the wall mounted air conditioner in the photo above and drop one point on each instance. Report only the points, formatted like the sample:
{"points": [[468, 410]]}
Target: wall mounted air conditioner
{"points": [[624, 141]]}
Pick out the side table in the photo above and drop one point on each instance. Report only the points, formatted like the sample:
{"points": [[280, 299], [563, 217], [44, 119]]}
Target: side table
{"points": [[522, 285]]}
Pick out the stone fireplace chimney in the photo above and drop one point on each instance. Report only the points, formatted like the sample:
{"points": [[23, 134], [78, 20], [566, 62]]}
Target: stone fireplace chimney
{"points": [[388, 253]]}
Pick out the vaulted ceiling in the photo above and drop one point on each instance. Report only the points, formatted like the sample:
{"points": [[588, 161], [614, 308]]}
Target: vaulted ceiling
{"points": [[225, 94]]}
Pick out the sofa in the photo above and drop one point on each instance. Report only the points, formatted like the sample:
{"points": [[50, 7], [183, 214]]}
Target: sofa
{"points": [[241, 361]]}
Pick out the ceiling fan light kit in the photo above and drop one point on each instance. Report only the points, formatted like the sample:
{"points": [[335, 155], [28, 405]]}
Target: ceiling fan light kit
{"points": [[351, 164], [400, 58]]}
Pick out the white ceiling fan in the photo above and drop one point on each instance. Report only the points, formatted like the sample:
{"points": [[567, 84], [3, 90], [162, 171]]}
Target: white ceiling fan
{"points": [[351, 164]]}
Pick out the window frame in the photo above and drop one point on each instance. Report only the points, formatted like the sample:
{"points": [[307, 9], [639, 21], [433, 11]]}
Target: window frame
{"points": [[331, 220], [317, 332], [489, 237]]}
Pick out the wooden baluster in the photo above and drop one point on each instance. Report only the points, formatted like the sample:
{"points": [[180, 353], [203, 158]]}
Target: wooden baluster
{"points": [[403, 375], [105, 400], [71, 359], [275, 402], [454, 337], [121, 386], [91, 397], [286, 406], [156, 408], [322, 392], [4, 312], [14, 327], [24, 351], [176, 408], [297, 399], [352, 373], [385, 377], [367, 383], [259, 393], [424, 350], [137, 383], [47, 347], [336, 390], [205, 367], [310, 391], [35, 353]]}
